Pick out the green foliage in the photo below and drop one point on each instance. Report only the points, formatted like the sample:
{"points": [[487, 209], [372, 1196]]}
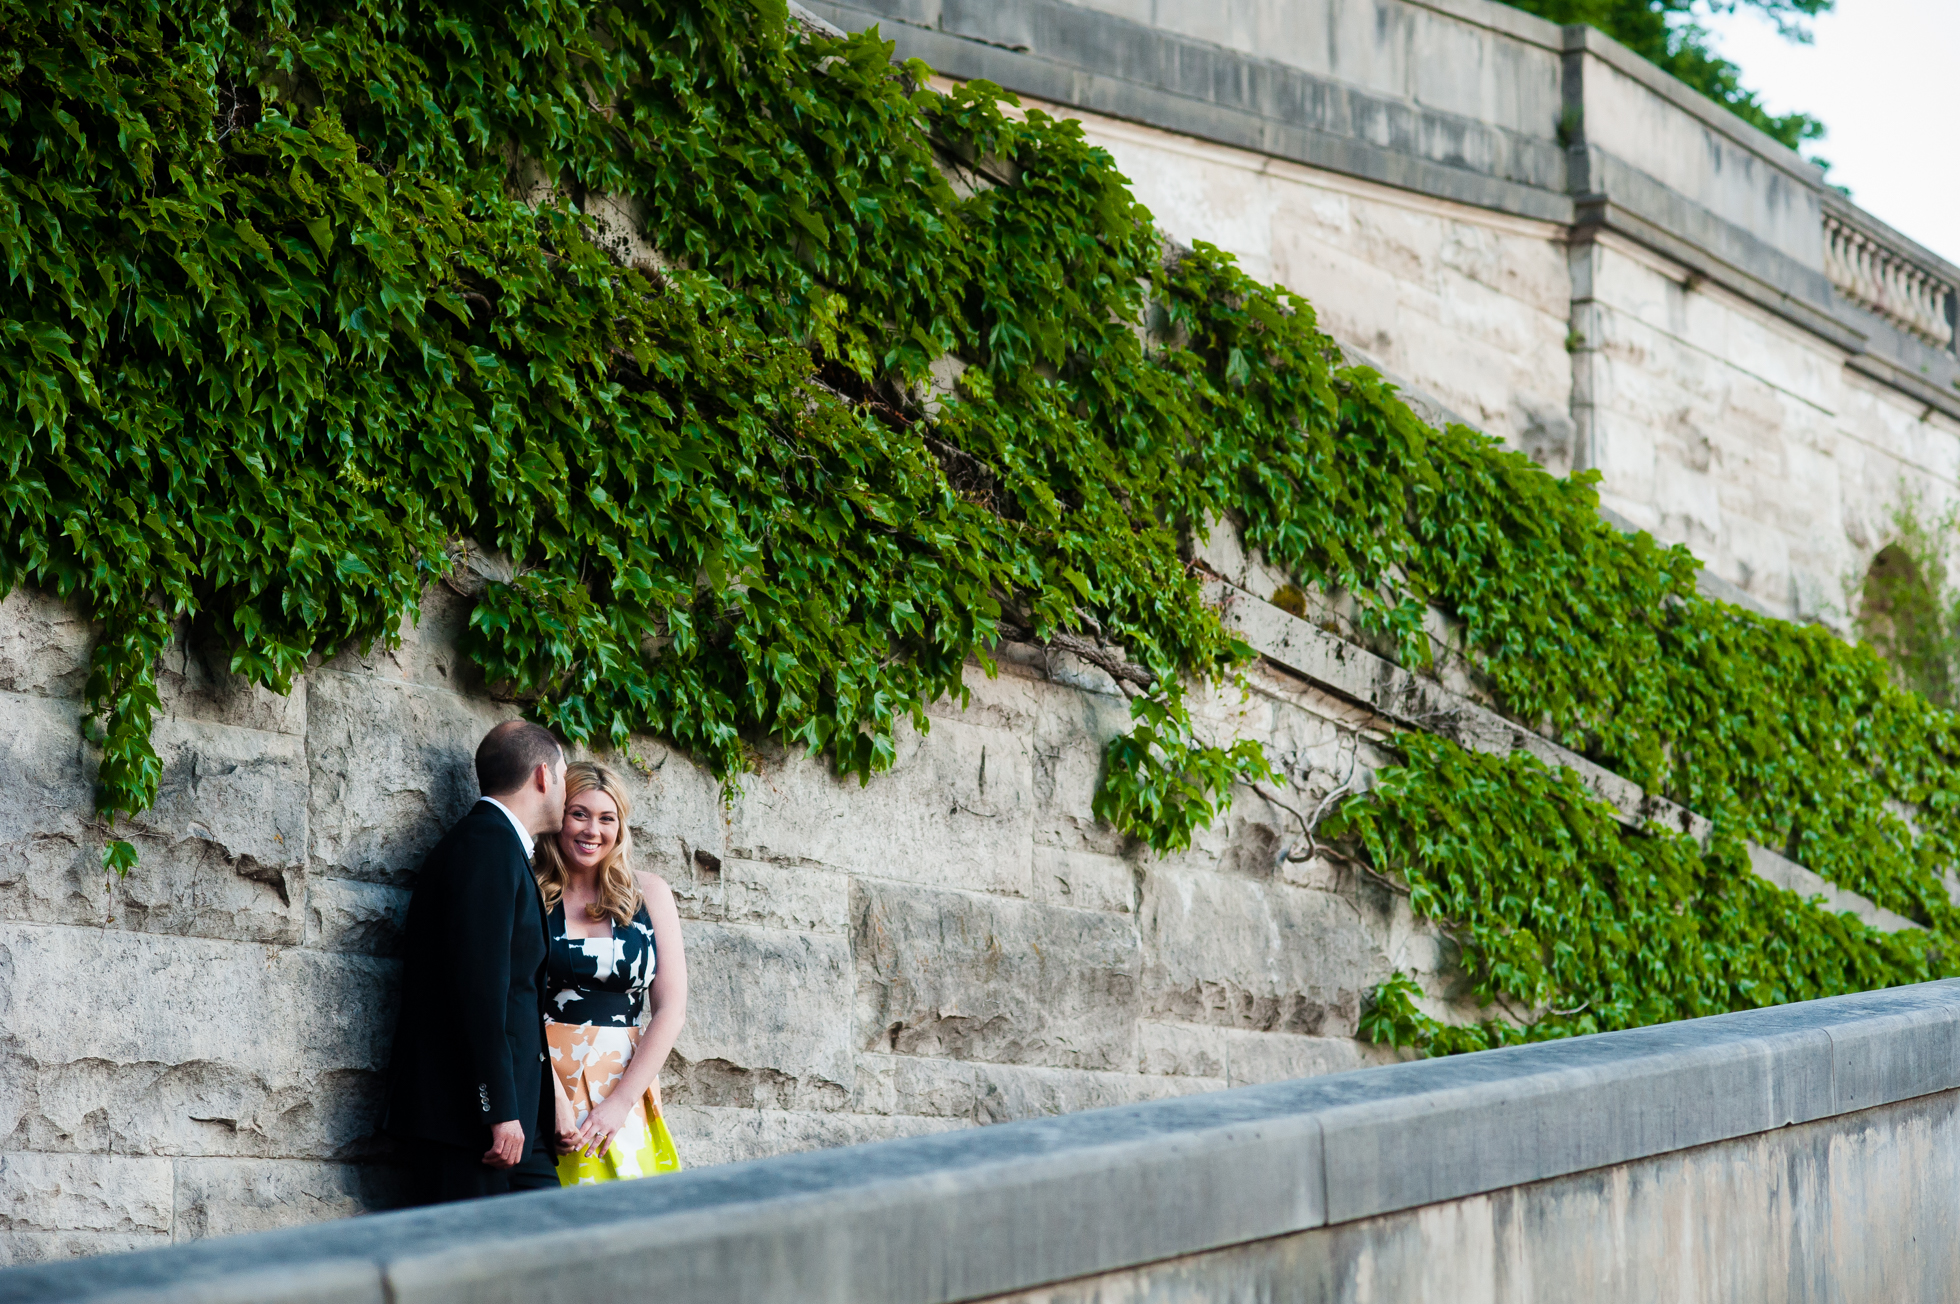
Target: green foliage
{"points": [[1570, 923], [1907, 609], [1664, 33], [1163, 783], [296, 301]]}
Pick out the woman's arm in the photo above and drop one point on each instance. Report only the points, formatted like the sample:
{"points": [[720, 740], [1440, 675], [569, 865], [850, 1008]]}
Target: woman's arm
{"points": [[667, 999]]}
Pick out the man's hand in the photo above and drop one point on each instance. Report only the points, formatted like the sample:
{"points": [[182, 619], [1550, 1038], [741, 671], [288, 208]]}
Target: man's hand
{"points": [[506, 1145]]}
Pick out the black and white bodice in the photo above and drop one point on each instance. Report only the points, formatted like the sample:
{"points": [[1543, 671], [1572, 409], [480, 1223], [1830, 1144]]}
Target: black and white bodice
{"points": [[599, 980]]}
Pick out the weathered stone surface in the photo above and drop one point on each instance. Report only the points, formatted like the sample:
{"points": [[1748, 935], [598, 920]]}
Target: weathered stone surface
{"points": [[44, 644], [224, 847], [1086, 880], [710, 1135], [1255, 1057], [181, 1045], [393, 766], [428, 651], [954, 810], [348, 915], [224, 1197], [179, 999], [966, 976], [996, 1093], [50, 846], [1009, 699], [1184, 1049], [765, 1005], [197, 1107], [195, 682], [763, 895], [1262, 955], [1068, 741], [18, 1249], [84, 1193]]}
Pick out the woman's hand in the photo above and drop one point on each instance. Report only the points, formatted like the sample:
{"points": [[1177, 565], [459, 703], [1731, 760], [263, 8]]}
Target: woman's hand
{"points": [[601, 1123], [567, 1126]]}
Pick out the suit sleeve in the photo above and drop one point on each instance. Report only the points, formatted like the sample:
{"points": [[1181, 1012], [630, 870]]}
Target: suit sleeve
{"points": [[485, 917]]}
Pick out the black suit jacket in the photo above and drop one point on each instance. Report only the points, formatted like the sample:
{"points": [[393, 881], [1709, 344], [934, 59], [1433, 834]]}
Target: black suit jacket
{"points": [[469, 1044]]}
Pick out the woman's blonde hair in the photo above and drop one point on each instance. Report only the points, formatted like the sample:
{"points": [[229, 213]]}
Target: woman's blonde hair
{"points": [[619, 891]]}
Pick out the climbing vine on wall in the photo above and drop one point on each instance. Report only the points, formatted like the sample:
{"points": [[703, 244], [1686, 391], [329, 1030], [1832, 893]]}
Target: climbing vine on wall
{"points": [[296, 299]]}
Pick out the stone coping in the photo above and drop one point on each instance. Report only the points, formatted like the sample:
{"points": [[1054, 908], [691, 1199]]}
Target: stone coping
{"points": [[974, 1213]]}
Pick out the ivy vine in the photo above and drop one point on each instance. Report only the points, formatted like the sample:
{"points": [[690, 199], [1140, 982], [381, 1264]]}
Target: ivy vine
{"points": [[297, 298]]}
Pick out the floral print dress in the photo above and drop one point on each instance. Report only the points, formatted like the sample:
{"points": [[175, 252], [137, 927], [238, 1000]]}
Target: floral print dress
{"points": [[597, 987]]}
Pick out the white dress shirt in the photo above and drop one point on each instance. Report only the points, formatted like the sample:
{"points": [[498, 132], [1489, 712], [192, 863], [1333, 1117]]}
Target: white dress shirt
{"points": [[524, 834]]}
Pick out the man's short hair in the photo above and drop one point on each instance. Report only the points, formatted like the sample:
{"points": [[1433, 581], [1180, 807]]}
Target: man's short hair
{"points": [[510, 752]]}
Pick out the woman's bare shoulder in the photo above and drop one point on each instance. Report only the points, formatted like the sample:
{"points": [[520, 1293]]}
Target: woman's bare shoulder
{"points": [[654, 888]]}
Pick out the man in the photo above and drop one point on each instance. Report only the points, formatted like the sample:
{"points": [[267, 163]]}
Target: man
{"points": [[471, 1102]]}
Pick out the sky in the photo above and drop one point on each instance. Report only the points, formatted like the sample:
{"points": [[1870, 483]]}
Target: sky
{"points": [[1884, 75]]}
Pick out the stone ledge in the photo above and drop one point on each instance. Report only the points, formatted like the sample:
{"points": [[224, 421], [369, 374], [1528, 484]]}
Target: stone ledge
{"points": [[1418, 703], [1213, 93], [998, 1209]]}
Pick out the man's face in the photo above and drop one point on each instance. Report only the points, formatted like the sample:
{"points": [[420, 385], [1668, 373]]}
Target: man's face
{"points": [[554, 797]]}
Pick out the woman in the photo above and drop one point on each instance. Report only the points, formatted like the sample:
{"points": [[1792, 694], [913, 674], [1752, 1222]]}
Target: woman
{"points": [[615, 938]]}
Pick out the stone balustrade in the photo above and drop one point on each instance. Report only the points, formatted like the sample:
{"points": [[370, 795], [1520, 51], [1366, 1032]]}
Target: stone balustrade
{"points": [[1888, 282]]}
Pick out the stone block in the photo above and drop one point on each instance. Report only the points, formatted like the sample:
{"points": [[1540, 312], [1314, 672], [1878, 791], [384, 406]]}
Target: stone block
{"points": [[1255, 1057], [50, 843], [348, 915], [223, 850], [199, 1107], [226, 1197], [768, 1014], [393, 766], [44, 644], [997, 1093], [187, 1045], [954, 811], [1068, 741], [195, 682], [759, 894], [428, 651], [18, 1249], [1086, 880], [1267, 956], [1182, 1049], [967, 976], [708, 1135], [84, 1193], [1008, 699]]}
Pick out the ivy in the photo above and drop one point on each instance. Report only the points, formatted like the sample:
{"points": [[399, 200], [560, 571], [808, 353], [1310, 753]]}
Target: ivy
{"points": [[790, 385], [1571, 924]]}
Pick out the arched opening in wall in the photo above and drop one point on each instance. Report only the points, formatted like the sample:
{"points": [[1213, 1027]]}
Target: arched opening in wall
{"points": [[1903, 617]]}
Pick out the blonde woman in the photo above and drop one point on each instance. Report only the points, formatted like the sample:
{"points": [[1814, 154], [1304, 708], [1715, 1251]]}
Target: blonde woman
{"points": [[615, 941]]}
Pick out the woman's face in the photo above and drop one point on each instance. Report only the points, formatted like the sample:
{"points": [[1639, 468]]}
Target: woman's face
{"points": [[590, 830]]}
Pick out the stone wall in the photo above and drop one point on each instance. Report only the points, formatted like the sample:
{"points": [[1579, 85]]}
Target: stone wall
{"points": [[199, 1048], [1569, 249]]}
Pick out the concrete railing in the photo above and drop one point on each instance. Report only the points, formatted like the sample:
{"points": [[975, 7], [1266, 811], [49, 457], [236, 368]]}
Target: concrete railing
{"points": [[1806, 1151]]}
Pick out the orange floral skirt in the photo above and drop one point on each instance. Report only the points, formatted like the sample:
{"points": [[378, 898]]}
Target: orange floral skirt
{"points": [[590, 1060]]}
